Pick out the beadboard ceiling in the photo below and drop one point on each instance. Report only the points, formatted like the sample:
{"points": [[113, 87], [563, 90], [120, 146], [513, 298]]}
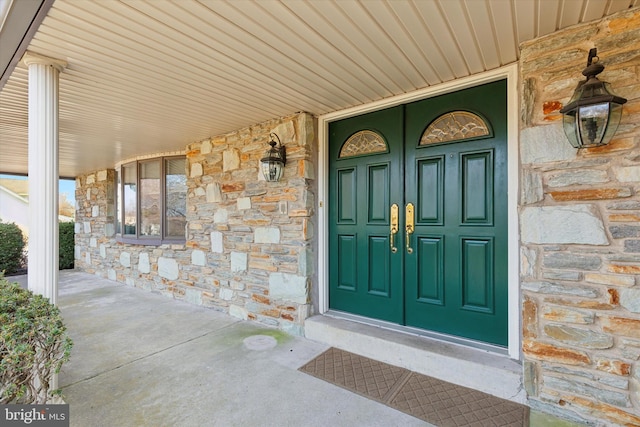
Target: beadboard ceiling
{"points": [[147, 76]]}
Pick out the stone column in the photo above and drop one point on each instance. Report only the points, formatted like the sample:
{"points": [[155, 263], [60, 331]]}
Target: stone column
{"points": [[43, 174]]}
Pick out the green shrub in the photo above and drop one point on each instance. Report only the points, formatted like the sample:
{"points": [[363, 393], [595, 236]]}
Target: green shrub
{"points": [[33, 345], [67, 245], [11, 248]]}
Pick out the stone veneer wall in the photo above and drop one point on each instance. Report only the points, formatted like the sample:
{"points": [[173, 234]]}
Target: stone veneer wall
{"points": [[580, 231], [250, 244]]}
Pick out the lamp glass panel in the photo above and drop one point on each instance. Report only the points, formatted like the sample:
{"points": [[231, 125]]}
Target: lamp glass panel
{"points": [[272, 170], [592, 122], [569, 125], [614, 120]]}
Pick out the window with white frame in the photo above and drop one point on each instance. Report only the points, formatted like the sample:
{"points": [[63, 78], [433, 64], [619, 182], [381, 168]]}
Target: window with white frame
{"points": [[151, 199]]}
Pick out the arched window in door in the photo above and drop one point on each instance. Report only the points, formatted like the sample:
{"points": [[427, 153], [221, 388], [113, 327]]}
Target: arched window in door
{"points": [[362, 143], [455, 126]]}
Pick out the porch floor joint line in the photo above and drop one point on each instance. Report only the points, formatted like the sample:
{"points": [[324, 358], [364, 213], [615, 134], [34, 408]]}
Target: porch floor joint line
{"points": [[146, 356]]}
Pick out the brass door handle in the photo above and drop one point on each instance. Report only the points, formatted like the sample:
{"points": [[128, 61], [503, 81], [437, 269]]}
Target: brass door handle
{"points": [[410, 226], [393, 227]]}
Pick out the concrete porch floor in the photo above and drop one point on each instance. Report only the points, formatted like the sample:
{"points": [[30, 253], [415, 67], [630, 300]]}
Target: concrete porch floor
{"points": [[141, 359]]}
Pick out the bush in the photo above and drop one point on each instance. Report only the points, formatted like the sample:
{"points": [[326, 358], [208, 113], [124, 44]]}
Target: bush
{"points": [[67, 245], [11, 248], [33, 345]]}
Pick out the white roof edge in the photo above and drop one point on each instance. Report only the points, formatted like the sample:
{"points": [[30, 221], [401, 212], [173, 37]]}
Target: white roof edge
{"points": [[11, 193]]}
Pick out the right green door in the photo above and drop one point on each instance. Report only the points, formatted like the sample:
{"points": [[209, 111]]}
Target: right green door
{"points": [[456, 178], [448, 177]]}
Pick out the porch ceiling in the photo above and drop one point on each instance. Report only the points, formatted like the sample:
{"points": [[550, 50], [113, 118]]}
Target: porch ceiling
{"points": [[146, 76]]}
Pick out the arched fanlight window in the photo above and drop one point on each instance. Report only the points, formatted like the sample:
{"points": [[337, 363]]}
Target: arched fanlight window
{"points": [[363, 142], [455, 126]]}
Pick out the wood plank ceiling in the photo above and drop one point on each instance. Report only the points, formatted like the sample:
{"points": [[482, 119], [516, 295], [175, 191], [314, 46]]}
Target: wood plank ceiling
{"points": [[147, 76]]}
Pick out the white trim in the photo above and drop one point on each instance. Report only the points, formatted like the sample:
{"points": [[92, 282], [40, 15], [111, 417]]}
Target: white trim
{"points": [[30, 58], [5, 7], [510, 72], [151, 156], [323, 225], [513, 236]]}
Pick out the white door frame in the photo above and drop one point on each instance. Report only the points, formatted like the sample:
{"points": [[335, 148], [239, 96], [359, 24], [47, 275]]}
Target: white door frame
{"points": [[510, 73]]}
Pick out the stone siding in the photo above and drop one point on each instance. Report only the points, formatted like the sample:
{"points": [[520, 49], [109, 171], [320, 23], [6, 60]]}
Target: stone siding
{"points": [[580, 231], [250, 244], [95, 216]]}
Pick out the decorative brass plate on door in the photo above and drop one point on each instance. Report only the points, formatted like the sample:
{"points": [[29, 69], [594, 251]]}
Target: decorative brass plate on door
{"points": [[410, 226], [393, 227]]}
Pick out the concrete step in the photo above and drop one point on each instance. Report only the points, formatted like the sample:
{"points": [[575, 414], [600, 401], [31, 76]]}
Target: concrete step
{"points": [[478, 369]]}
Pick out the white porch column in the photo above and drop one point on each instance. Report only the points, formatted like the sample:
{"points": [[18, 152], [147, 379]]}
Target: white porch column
{"points": [[43, 174]]}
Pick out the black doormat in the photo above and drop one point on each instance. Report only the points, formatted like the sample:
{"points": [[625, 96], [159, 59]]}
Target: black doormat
{"points": [[435, 401]]}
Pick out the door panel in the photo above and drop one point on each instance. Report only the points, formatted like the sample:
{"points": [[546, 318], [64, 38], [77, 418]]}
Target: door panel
{"points": [[477, 274], [430, 270], [347, 190], [477, 188], [346, 262], [378, 209], [430, 191], [379, 279]]}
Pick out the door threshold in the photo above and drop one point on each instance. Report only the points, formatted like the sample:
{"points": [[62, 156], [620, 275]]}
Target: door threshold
{"points": [[455, 362], [466, 342]]}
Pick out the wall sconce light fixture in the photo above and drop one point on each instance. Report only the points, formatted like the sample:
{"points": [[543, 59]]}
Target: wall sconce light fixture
{"points": [[274, 159], [593, 113]]}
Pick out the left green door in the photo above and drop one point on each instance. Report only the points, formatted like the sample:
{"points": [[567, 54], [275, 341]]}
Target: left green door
{"points": [[365, 274]]}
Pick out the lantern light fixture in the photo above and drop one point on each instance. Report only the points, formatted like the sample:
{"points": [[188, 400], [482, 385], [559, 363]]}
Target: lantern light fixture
{"points": [[274, 159], [593, 113]]}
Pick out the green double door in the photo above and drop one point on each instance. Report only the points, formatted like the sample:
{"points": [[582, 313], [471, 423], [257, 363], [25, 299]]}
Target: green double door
{"points": [[418, 214]]}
